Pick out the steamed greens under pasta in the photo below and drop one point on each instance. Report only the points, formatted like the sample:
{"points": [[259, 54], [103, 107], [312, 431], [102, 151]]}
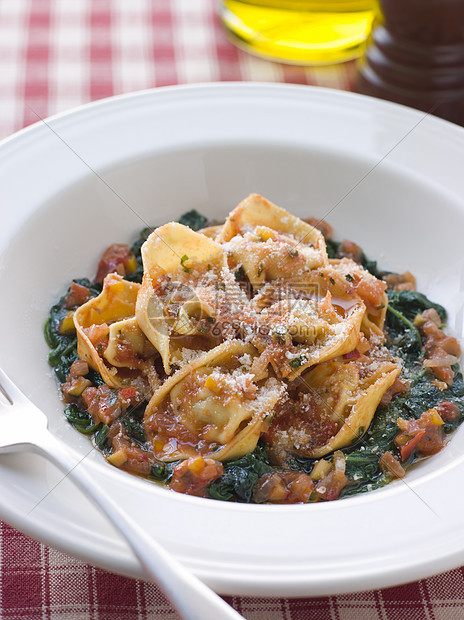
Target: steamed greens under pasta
{"points": [[257, 360]]}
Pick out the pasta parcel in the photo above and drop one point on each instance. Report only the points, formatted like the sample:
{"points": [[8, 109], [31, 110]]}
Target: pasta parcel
{"points": [[255, 360]]}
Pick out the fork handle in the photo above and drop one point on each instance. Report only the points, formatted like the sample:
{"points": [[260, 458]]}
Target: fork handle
{"points": [[191, 597]]}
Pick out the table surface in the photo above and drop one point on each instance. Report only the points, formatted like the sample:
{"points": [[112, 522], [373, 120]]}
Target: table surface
{"points": [[57, 54]]}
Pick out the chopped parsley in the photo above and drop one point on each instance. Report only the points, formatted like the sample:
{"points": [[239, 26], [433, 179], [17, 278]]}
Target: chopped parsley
{"points": [[183, 260], [296, 362]]}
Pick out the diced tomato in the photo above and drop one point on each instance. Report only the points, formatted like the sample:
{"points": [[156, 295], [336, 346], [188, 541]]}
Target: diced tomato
{"points": [[349, 249], [270, 488], [117, 258], [79, 368], [300, 489], [126, 454], [89, 396], [401, 281], [390, 465], [98, 336], [288, 487], [399, 385], [425, 435], [129, 396], [447, 410], [102, 403], [325, 228], [334, 483], [432, 441], [331, 485], [407, 448], [441, 351], [77, 295], [193, 475]]}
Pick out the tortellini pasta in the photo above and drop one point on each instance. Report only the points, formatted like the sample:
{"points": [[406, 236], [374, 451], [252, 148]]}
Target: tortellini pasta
{"points": [[292, 312], [314, 332], [333, 408], [253, 332], [109, 337], [270, 243], [346, 280], [215, 405], [183, 288]]}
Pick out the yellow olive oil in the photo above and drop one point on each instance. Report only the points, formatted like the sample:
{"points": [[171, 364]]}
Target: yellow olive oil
{"points": [[304, 32]]}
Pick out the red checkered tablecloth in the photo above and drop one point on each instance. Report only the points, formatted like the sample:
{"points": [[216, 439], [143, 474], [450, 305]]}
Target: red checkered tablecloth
{"points": [[54, 55]]}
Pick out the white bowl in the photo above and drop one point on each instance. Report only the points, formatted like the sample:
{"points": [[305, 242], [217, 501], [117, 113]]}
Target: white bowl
{"points": [[385, 176]]}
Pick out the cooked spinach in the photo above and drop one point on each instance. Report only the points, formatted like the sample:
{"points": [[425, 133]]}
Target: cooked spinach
{"points": [[101, 438], [63, 345], [193, 220], [62, 357], [95, 377], [241, 476], [239, 274], [332, 247], [81, 420], [132, 421], [371, 267], [162, 472], [411, 303], [404, 338]]}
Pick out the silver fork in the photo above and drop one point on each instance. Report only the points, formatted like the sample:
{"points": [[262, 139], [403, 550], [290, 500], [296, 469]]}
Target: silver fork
{"points": [[23, 427]]}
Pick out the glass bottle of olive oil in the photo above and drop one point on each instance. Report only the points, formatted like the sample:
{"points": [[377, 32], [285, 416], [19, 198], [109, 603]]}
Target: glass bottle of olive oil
{"points": [[305, 32]]}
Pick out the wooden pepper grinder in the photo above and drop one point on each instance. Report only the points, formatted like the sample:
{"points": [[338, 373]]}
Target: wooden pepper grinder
{"points": [[416, 57]]}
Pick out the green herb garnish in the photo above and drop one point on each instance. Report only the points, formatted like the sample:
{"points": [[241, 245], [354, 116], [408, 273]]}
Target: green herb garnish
{"points": [[183, 260], [296, 362]]}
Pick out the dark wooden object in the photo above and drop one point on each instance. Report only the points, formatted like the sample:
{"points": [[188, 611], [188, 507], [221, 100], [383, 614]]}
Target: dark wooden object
{"points": [[416, 57]]}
